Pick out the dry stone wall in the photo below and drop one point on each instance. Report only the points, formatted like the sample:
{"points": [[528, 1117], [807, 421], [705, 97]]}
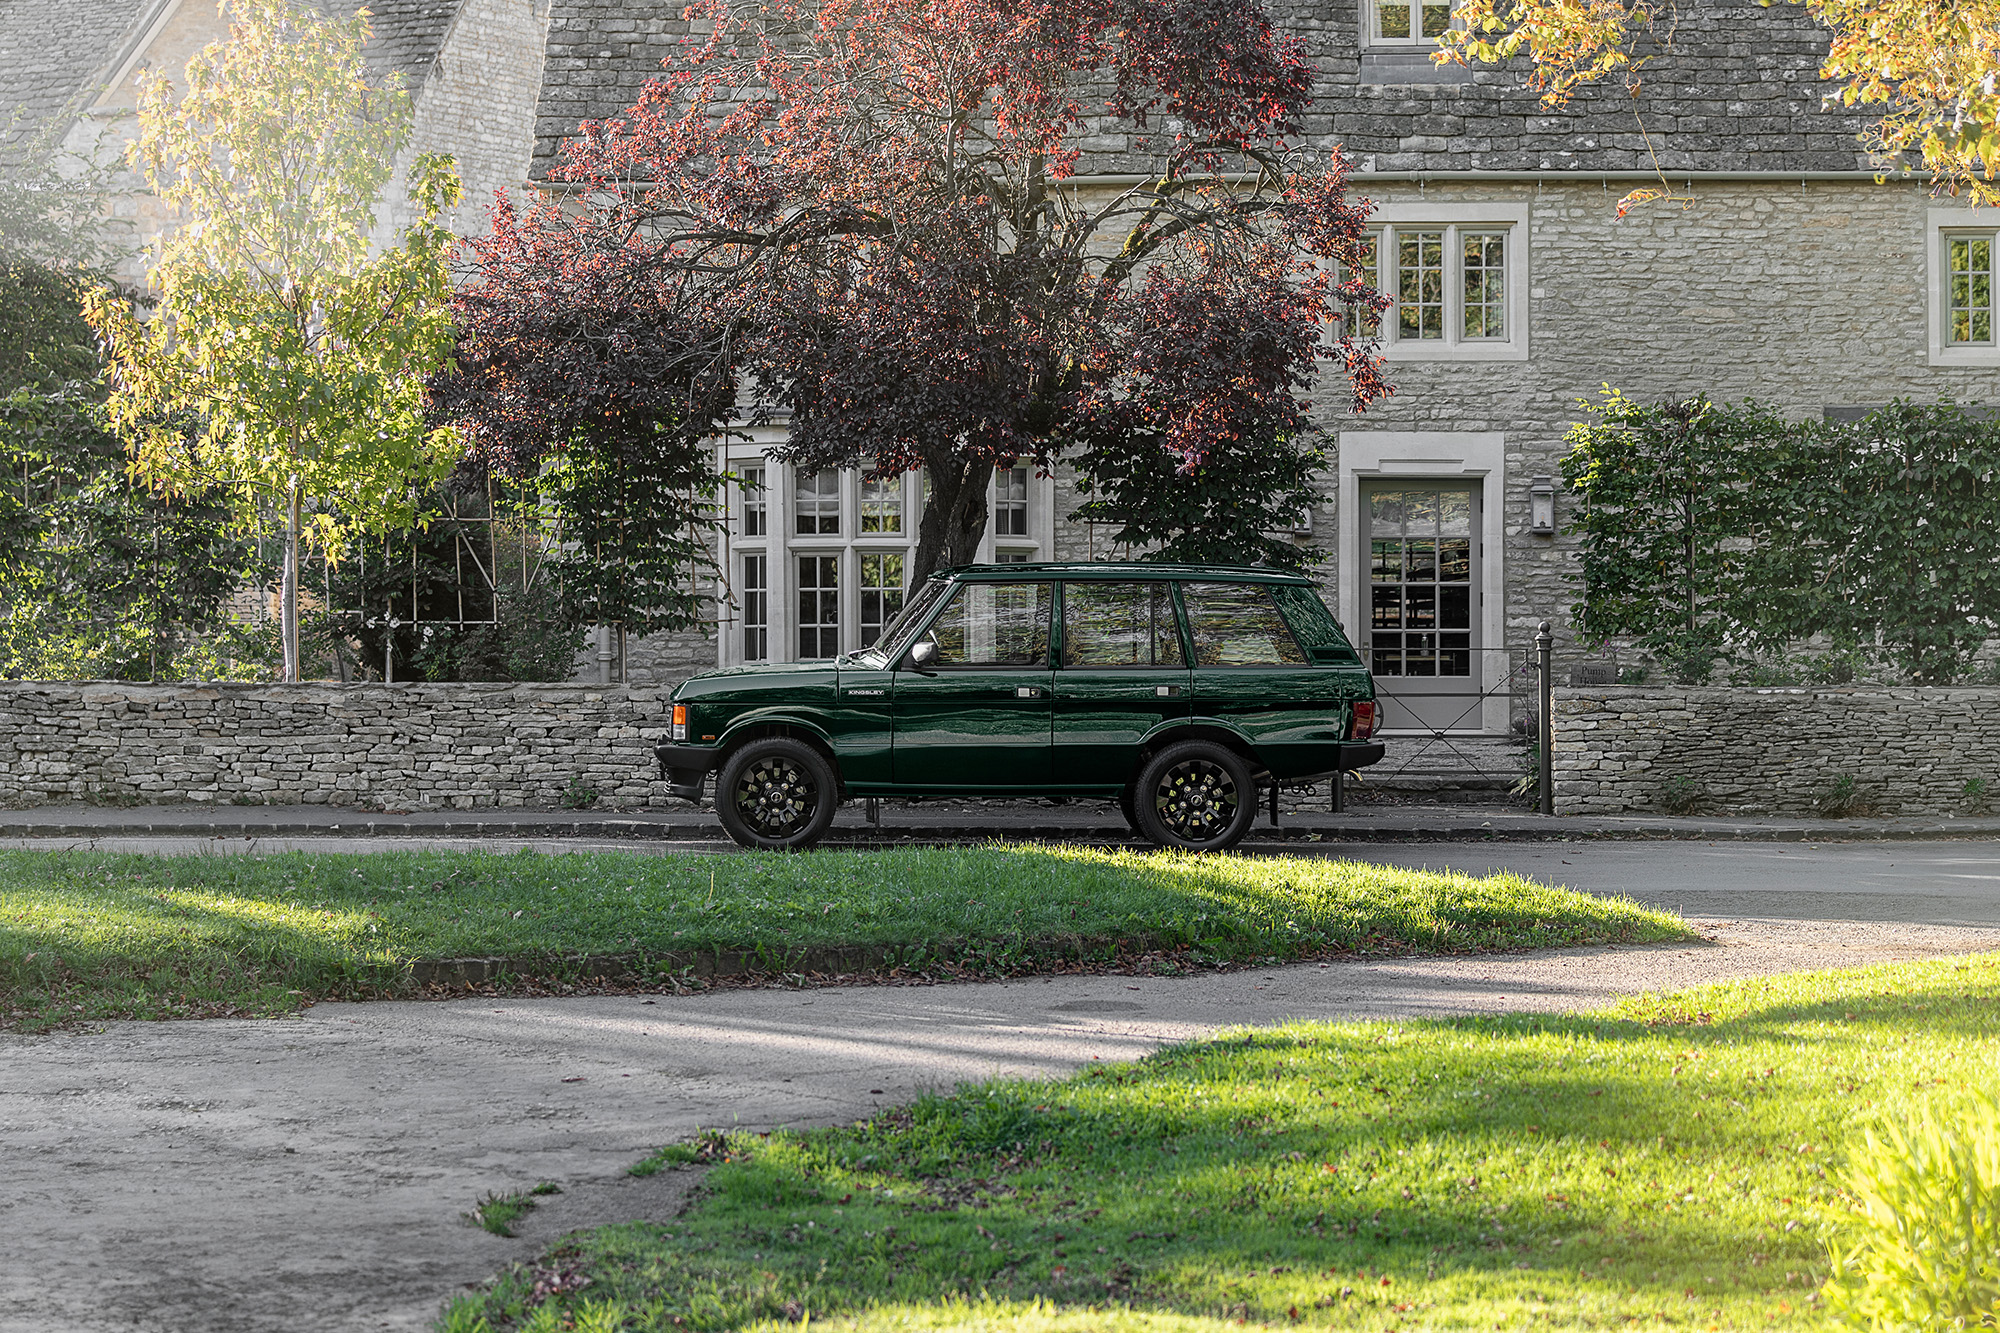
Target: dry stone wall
{"points": [[1907, 751], [403, 746]]}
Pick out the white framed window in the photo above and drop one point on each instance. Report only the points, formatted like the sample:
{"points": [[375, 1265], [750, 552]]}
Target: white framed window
{"points": [[1010, 502], [882, 587], [1410, 23], [816, 503], [881, 506], [753, 505], [818, 606], [753, 587], [1963, 246], [1457, 275]]}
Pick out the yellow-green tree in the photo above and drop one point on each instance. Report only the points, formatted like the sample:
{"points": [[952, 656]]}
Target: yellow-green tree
{"points": [[1932, 66], [300, 348]]}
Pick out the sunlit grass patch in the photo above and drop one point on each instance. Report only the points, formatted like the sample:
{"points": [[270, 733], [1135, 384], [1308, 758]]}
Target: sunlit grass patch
{"points": [[1670, 1162], [87, 936]]}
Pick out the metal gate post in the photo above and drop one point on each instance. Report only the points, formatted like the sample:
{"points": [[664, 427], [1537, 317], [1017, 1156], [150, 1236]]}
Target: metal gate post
{"points": [[1545, 778]]}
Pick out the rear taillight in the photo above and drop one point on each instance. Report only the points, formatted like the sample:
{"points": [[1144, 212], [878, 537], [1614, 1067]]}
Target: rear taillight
{"points": [[1364, 721], [680, 727]]}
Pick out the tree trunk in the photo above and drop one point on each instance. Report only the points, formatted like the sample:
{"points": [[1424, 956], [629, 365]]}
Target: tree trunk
{"points": [[288, 588], [955, 514]]}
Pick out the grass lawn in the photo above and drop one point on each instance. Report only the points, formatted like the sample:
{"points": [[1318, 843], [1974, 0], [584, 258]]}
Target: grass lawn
{"points": [[85, 936], [1665, 1163]]}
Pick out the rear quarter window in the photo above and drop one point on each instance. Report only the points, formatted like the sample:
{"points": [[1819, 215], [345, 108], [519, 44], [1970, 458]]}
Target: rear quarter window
{"points": [[1237, 624], [1314, 626]]}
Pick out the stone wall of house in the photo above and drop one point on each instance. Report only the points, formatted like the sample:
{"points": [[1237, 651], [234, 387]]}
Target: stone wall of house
{"points": [[404, 746], [1907, 750]]}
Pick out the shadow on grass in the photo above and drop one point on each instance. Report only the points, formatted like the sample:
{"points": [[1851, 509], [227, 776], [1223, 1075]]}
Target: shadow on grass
{"points": [[1569, 1170]]}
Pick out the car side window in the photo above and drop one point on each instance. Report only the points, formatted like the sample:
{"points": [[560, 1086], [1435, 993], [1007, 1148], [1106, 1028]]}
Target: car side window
{"points": [[1120, 625], [1313, 625], [994, 624], [1237, 624]]}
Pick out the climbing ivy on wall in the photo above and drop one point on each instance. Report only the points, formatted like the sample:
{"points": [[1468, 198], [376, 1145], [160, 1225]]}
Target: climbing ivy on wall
{"points": [[1718, 531]]}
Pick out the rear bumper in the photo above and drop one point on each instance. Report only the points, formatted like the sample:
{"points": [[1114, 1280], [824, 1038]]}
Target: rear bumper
{"points": [[1359, 754], [684, 766]]}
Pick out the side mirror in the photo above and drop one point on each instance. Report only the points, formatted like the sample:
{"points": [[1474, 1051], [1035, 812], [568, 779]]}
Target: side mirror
{"points": [[922, 654]]}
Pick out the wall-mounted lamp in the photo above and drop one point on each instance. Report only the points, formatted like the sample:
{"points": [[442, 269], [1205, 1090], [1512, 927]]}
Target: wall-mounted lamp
{"points": [[1542, 506]]}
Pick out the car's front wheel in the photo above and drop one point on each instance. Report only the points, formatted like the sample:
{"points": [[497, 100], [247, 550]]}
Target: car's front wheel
{"points": [[777, 794], [1195, 795]]}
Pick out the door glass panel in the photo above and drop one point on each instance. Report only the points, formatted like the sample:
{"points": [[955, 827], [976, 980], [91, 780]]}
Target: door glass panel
{"points": [[1237, 624], [1420, 582], [756, 607], [1120, 624], [994, 624], [819, 606]]}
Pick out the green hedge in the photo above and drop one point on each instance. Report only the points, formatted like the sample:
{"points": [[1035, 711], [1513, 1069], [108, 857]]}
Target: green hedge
{"points": [[1712, 531]]}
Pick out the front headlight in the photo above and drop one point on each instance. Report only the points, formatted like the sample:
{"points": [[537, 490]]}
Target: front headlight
{"points": [[679, 730]]}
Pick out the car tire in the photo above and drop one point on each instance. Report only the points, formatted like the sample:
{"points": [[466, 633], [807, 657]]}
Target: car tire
{"points": [[776, 794], [1195, 795]]}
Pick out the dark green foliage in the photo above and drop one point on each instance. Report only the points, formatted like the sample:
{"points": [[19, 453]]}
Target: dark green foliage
{"points": [[44, 341], [1218, 513], [1712, 531], [101, 577], [638, 524]]}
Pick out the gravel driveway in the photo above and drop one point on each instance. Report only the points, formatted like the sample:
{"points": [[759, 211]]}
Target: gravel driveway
{"points": [[310, 1173]]}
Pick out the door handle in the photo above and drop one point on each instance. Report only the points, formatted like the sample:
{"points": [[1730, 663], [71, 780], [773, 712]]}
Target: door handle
{"points": [[1027, 692], [1167, 691]]}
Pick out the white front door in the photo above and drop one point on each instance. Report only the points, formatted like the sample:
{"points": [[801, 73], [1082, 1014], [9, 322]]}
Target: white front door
{"points": [[1421, 594]]}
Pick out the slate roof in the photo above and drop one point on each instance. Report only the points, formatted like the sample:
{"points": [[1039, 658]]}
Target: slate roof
{"points": [[49, 52], [52, 51], [1741, 93]]}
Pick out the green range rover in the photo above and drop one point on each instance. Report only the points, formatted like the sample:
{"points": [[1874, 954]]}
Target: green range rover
{"points": [[1178, 690]]}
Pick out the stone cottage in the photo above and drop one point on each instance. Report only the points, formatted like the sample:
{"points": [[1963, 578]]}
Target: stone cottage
{"points": [[1779, 267]]}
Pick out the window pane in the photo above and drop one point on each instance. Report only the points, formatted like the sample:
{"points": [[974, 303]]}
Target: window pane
{"points": [[1119, 625], [1420, 284], [819, 606], [1312, 624], [1010, 502], [1237, 624], [1436, 19], [1392, 19], [1483, 255], [882, 505], [994, 624], [1421, 580], [756, 586], [816, 502], [1358, 321], [754, 511], [1970, 259], [881, 593]]}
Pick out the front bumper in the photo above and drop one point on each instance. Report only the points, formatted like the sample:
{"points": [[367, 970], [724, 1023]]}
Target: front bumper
{"points": [[684, 766]]}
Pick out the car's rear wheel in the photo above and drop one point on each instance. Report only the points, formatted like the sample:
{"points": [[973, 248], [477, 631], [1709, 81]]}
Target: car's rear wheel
{"points": [[778, 794], [1195, 795]]}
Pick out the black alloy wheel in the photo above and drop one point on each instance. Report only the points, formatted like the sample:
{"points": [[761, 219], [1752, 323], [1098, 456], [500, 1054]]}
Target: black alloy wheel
{"points": [[1196, 795], [778, 794]]}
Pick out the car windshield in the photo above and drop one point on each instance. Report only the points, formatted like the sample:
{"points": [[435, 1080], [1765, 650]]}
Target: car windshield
{"points": [[896, 635]]}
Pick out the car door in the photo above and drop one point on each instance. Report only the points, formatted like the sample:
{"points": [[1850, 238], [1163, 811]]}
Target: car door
{"points": [[977, 716], [1251, 673], [1123, 671]]}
